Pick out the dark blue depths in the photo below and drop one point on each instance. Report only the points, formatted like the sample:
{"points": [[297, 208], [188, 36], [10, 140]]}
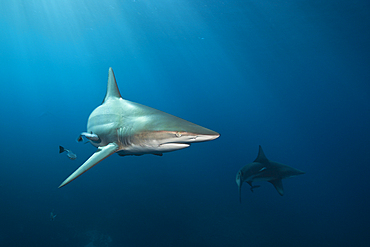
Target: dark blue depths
{"points": [[292, 77]]}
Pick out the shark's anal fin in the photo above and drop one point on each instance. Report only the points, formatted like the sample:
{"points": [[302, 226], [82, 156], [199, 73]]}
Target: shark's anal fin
{"points": [[278, 184], [99, 155]]}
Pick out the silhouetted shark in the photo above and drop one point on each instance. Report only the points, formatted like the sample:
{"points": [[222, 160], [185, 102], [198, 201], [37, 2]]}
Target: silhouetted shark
{"points": [[128, 128], [263, 169]]}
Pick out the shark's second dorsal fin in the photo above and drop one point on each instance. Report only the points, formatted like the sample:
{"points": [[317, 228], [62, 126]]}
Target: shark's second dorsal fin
{"points": [[112, 88], [261, 157]]}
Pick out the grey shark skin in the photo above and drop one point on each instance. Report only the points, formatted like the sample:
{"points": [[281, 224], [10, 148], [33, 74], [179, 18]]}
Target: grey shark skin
{"points": [[128, 128], [263, 169]]}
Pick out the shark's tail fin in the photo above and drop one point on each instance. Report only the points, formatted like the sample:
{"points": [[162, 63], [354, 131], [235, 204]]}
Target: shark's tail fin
{"points": [[61, 149]]}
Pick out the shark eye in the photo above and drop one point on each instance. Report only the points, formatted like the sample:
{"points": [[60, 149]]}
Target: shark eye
{"points": [[178, 134]]}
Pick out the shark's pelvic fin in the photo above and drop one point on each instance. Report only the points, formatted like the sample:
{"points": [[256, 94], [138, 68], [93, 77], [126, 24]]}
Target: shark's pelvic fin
{"points": [[278, 184], [261, 157], [112, 88], [99, 155]]}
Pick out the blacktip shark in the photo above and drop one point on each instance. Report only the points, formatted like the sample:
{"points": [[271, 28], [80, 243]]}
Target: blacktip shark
{"points": [[128, 128], [263, 169], [52, 216]]}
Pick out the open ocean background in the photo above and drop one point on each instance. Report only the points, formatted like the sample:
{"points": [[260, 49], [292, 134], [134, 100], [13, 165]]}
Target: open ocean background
{"points": [[291, 76]]}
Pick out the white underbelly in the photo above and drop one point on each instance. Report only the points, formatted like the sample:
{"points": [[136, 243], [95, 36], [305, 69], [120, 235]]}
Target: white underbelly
{"points": [[152, 149]]}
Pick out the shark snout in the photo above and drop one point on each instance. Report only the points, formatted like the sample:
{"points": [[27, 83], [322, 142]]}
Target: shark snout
{"points": [[190, 137], [203, 138], [238, 178], [203, 134], [189, 132]]}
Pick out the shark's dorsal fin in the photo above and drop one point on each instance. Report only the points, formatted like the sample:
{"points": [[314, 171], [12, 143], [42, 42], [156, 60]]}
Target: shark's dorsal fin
{"points": [[112, 88], [261, 158], [278, 184]]}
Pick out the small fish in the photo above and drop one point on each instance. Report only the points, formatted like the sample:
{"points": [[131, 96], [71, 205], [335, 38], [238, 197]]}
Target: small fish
{"points": [[70, 155], [52, 216]]}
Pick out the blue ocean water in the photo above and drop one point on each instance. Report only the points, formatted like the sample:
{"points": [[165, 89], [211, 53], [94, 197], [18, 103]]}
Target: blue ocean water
{"points": [[291, 76]]}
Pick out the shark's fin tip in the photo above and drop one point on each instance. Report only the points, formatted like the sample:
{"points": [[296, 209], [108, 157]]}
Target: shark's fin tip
{"points": [[278, 184], [112, 88], [261, 157], [99, 155]]}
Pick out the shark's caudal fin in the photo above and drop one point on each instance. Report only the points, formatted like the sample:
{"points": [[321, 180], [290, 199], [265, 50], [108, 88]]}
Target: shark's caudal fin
{"points": [[61, 149], [99, 155], [112, 88], [261, 157], [278, 184]]}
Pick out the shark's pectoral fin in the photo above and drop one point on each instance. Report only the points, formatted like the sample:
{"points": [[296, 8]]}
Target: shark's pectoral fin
{"points": [[278, 184], [99, 155]]}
